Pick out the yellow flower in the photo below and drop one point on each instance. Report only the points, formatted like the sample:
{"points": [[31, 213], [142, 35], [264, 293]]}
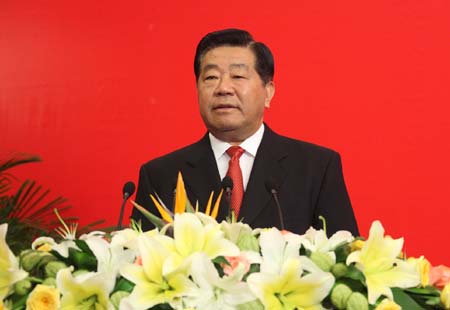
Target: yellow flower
{"points": [[445, 296], [423, 267], [152, 287], [357, 245], [44, 244], [190, 236], [388, 304], [10, 272], [43, 298], [45, 248], [378, 261], [89, 290]]}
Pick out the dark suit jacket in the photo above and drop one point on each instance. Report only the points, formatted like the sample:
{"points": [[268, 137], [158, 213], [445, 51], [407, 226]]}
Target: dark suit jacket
{"points": [[309, 178]]}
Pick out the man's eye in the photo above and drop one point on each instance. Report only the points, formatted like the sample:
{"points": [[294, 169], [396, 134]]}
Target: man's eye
{"points": [[238, 77], [210, 77]]}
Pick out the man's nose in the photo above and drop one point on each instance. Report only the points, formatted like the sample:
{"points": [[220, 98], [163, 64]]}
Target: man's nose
{"points": [[225, 86]]}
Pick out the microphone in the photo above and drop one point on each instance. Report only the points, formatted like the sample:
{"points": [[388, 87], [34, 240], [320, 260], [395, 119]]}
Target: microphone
{"points": [[272, 186], [128, 190], [227, 185]]}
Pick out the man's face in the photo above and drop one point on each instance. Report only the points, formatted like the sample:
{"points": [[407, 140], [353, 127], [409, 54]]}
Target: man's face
{"points": [[231, 95]]}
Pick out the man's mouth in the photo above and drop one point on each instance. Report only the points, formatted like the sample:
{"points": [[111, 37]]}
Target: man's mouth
{"points": [[224, 106]]}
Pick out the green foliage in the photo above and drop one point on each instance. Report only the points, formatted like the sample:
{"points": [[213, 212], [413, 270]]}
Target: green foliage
{"points": [[124, 285], [404, 300], [27, 210]]}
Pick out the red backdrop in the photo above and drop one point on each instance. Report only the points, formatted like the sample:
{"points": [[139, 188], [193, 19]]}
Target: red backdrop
{"points": [[96, 88]]}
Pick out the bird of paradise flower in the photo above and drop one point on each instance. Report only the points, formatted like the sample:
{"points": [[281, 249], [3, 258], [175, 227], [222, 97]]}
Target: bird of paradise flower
{"points": [[181, 205]]}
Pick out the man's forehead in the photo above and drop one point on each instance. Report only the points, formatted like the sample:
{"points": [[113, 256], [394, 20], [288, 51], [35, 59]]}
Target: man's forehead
{"points": [[231, 57]]}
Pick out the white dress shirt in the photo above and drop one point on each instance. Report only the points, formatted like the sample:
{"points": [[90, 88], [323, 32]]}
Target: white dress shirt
{"points": [[250, 146]]}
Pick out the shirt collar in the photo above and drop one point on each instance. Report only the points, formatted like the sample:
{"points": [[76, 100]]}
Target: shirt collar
{"points": [[250, 145]]}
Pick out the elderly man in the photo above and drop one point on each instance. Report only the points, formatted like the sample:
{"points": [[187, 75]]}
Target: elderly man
{"points": [[235, 86]]}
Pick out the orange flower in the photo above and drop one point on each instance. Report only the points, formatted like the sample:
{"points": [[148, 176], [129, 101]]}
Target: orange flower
{"points": [[138, 261], [440, 276], [234, 262]]}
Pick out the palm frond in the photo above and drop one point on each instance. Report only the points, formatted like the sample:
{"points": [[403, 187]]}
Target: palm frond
{"points": [[18, 159], [29, 211]]}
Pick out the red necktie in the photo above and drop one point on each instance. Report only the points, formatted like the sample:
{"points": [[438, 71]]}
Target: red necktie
{"points": [[235, 173]]}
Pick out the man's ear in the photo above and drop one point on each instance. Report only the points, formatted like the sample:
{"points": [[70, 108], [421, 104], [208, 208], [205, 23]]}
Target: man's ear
{"points": [[270, 91]]}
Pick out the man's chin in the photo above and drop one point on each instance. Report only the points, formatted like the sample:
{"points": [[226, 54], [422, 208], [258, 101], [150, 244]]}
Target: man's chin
{"points": [[226, 127], [229, 133]]}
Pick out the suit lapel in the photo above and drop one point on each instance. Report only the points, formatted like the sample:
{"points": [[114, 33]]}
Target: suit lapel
{"points": [[267, 165], [200, 173]]}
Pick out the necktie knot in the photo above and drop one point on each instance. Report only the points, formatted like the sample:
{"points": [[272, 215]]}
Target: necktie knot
{"points": [[235, 151]]}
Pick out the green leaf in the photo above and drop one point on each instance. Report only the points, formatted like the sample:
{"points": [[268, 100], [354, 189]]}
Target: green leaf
{"points": [[404, 300], [342, 252], [124, 285], [84, 247], [355, 274], [355, 285], [220, 260], [253, 268], [82, 260], [428, 290], [162, 307], [159, 223]]}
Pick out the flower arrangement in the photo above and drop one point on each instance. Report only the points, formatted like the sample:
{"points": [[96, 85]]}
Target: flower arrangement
{"points": [[193, 262]]}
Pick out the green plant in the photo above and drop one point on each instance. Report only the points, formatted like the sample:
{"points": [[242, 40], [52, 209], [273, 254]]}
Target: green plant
{"points": [[26, 206]]}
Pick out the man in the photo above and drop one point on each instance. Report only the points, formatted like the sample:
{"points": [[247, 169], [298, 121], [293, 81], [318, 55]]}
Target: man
{"points": [[235, 85]]}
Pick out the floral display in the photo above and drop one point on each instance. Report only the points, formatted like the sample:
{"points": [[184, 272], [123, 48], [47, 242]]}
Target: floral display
{"points": [[190, 261]]}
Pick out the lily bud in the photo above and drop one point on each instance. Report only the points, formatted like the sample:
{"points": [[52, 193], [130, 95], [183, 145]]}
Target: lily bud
{"points": [[339, 295], [339, 270], [31, 259], [51, 282], [52, 268], [22, 287], [322, 260], [248, 242], [357, 301]]}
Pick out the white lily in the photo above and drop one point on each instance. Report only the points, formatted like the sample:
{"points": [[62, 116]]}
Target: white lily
{"points": [[86, 291], [110, 258], [378, 260], [10, 272], [286, 280], [240, 234], [61, 248], [213, 292], [233, 231], [317, 240], [43, 242], [128, 237], [152, 287]]}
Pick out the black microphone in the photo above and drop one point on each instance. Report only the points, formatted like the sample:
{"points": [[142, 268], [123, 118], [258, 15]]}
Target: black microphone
{"points": [[227, 185], [272, 186], [128, 190]]}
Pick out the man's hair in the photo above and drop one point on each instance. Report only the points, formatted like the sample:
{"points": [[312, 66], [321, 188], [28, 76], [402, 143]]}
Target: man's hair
{"points": [[236, 37]]}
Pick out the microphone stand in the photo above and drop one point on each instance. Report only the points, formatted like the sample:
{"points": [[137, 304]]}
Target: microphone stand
{"points": [[280, 214], [122, 210]]}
